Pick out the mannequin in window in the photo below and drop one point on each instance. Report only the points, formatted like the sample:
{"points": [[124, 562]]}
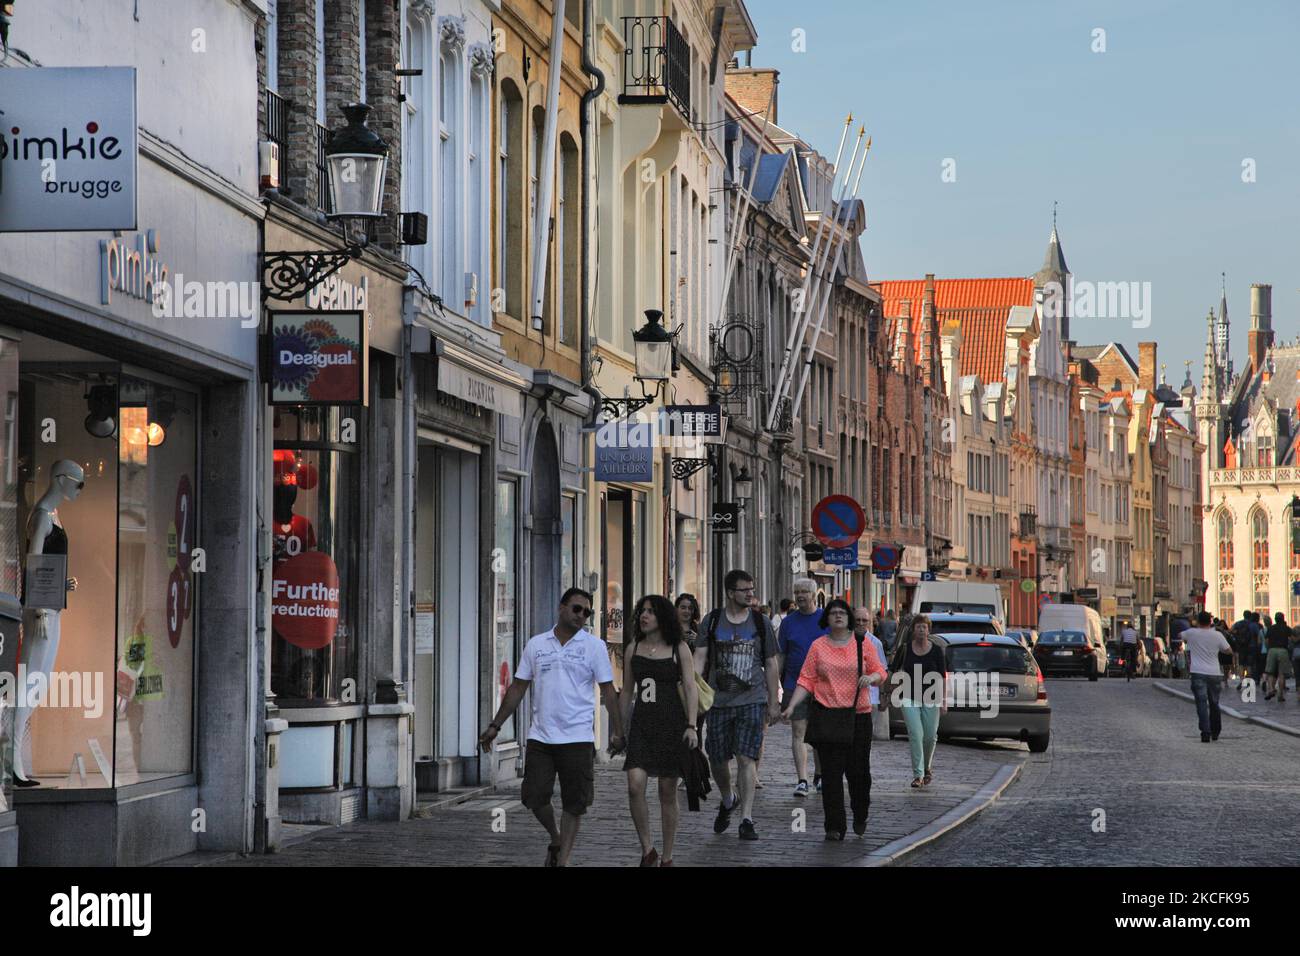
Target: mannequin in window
{"points": [[294, 533], [40, 646]]}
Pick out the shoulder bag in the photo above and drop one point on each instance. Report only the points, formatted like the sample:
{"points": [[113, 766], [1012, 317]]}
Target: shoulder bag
{"points": [[833, 725], [703, 692]]}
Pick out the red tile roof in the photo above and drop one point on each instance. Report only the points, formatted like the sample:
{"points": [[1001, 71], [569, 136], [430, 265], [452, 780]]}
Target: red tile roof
{"points": [[980, 304]]}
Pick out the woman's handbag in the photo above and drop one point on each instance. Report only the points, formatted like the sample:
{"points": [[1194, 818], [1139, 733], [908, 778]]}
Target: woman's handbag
{"points": [[833, 725], [703, 692]]}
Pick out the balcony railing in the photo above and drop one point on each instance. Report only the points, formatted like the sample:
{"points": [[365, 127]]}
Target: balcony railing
{"points": [[1265, 475], [1028, 524], [322, 176], [656, 63], [277, 120]]}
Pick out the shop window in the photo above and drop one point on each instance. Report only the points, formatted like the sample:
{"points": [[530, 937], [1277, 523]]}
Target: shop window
{"points": [[316, 529], [104, 495], [505, 576]]}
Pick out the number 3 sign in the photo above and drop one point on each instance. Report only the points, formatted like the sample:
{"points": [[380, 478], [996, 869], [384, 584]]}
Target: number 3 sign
{"points": [[179, 601]]}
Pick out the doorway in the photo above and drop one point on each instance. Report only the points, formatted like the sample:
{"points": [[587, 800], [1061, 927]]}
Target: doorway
{"points": [[446, 634]]}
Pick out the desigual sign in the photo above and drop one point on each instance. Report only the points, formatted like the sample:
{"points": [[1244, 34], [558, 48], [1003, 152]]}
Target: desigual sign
{"points": [[67, 149], [317, 358]]}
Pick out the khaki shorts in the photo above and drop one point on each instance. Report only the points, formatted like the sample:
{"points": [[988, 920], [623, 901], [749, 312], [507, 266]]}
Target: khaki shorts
{"points": [[1278, 662], [574, 764]]}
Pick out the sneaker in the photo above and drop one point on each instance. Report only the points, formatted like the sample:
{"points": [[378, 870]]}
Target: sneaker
{"points": [[801, 789], [552, 856], [860, 826], [747, 831], [835, 835], [724, 814], [1205, 738], [817, 782]]}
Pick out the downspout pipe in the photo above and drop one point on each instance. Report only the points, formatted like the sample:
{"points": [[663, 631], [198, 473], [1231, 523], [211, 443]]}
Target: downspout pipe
{"points": [[546, 175], [588, 220]]}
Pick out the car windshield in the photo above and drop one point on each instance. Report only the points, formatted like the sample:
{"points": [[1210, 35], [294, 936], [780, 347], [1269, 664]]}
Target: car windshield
{"points": [[962, 627], [1062, 637], [999, 658]]}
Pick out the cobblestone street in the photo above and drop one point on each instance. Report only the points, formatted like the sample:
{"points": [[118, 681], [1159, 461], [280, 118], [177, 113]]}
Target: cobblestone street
{"points": [[1135, 754], [462, 835]]}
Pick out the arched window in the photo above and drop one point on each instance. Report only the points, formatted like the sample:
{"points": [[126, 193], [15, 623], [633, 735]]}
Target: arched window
{"points": [[1225, 540], [568, 238], [1259, 539], [510, 223]]}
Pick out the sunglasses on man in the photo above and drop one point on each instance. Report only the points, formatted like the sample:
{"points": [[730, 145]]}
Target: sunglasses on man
{"points": [[580, 609]]}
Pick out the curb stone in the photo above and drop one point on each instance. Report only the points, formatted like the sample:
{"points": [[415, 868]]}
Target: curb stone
{"points": [[1231, 712], [972, 806]]}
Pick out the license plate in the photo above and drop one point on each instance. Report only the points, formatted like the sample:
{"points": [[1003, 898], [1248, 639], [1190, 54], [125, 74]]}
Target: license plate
{"points": [[1008, 690], [1064, 653]]}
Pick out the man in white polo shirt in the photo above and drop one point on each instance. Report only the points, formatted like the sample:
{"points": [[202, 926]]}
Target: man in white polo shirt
{"points": [[561, 666], [1204, 644]]}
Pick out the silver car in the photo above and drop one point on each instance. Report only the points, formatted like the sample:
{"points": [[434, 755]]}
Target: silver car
{"points": [[978, 666]]}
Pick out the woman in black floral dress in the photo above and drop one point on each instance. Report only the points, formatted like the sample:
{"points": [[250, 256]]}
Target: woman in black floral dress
{"points": [[656, 662]]}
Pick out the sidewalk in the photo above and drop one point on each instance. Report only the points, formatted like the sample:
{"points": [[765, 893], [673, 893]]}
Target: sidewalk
{"points": [[1283, 717], [463, 835]]}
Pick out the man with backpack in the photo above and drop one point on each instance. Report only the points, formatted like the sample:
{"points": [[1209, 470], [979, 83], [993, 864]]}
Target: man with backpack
{"points": [[1243, 645], [739, 658]]}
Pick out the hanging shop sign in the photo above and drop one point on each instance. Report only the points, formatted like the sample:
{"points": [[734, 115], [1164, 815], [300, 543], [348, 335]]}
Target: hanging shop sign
{"points": [[67, 149], [317, 358], [725, 517], [694, 421], [625, 453], [305, 600]]}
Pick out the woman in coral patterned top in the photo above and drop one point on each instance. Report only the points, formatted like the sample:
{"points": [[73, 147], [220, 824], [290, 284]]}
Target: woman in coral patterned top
{"points": [[830, 675]]}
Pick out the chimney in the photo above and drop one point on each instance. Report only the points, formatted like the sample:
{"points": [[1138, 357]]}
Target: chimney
{"points": [[1260, 337], [928, 331], [751, 88], [1147, 366]]}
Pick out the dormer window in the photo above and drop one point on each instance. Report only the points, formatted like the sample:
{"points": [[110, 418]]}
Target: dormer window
{"points": [[1264, 451]]}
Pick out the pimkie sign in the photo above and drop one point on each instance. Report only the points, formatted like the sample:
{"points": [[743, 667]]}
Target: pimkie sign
{"points": [[67, 149], [317, 358]]}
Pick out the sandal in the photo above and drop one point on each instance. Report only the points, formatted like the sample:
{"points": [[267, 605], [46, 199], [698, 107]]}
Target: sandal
{"points": [[663, 863], [925, 781], [651, 858], [916, 783]]}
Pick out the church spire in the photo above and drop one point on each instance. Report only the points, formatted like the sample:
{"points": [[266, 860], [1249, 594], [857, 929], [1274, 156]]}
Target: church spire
{"points": [[1223, 342], [1055, 270], [1210, 374]]}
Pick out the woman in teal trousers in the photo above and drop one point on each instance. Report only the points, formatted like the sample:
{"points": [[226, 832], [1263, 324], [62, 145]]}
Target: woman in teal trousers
{"points": [[923, 698]]}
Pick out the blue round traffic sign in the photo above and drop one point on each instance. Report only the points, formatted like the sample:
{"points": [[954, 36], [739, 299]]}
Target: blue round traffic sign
{"points": [[838, 521]]}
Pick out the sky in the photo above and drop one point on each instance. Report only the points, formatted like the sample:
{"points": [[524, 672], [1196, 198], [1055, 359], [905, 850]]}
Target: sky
{"points": [[1141, 146]]}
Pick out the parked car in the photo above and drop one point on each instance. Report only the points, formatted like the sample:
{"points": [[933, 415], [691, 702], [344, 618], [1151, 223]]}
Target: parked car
{"points": [[1026, 636], [1023, 712], [1158, 657], [950, 623], [1069, 652]]}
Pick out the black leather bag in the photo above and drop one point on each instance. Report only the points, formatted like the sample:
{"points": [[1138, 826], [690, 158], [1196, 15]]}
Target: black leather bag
{"points": [[833, 725]]}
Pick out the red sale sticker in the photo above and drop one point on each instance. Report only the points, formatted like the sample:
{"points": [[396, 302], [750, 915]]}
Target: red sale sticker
{"points": [[305, 600]]}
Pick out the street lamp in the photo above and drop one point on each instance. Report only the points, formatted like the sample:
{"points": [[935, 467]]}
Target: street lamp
{"points": [[356, 161], [652, 345], [743, 485]]}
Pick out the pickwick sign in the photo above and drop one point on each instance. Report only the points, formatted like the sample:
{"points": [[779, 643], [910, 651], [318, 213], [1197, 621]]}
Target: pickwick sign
{"points": [[67, 149]]}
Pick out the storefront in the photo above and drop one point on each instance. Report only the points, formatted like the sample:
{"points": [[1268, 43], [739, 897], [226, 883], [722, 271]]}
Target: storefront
{"points": [[126, 510], [339, 717]]}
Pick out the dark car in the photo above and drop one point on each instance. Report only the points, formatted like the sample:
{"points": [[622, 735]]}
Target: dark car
{"points": [[1068, 652], [1114, 659]]}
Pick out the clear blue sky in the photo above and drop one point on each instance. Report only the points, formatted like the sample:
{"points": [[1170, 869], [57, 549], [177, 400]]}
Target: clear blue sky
{"points": [[1141, 145]]}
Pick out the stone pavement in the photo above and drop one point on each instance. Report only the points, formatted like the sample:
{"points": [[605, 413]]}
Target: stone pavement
{"points": [[1259, 710], [463, 835]]}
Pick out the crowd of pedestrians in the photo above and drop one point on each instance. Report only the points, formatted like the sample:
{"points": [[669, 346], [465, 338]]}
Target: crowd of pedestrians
{"points": [[698, 693]]}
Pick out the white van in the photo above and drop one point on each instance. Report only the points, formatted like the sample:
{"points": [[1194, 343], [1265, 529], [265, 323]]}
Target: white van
{"points": [[958, 597], [1076, 617]]}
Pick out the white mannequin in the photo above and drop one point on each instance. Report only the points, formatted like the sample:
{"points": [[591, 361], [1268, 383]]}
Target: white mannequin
{"points": [[41, 625]]}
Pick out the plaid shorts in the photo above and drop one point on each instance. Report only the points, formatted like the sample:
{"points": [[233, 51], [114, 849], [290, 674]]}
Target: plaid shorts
{"points": [[735, 730]]}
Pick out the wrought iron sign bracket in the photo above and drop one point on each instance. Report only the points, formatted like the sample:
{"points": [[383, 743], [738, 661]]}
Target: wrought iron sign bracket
{"points": [[287, 276], [683, 468]]}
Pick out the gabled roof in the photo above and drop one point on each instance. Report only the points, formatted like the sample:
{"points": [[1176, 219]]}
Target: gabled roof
{"points": [[981, 305], [1280, 392]]}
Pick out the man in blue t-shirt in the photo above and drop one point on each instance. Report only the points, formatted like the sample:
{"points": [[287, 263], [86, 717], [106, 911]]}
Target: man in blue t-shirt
{"points": [[800, 628]]}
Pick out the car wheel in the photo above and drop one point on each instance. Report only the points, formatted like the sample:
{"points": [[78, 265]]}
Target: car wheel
{"points": [[1038, 744]]}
